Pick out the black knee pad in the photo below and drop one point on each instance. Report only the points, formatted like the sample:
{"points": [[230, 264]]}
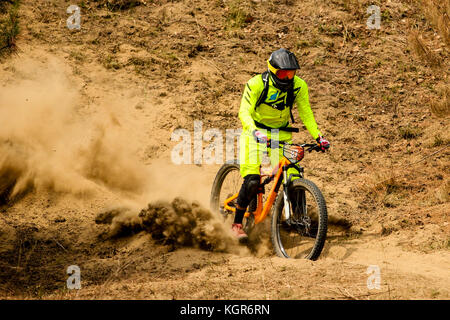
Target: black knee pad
{"points": [[252, 184], [248, 190]]}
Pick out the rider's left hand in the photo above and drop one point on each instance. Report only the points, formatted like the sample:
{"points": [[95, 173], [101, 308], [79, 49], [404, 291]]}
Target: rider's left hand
{"points": [[324, 143], [260, 137]]}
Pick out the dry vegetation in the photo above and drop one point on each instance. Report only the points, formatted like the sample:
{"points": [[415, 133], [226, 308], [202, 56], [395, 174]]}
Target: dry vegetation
{"points": [[380, 96], [9, 25], [437, 13]]}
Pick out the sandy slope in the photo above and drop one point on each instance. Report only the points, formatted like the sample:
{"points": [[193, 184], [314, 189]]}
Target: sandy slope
{"points": [[89, 120]]}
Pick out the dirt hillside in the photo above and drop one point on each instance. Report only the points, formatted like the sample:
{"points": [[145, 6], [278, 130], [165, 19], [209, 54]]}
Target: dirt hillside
{"points": [[87, 116]]}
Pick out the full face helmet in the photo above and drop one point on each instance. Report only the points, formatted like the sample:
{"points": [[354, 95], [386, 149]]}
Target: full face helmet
{"points": [[282, 65]]}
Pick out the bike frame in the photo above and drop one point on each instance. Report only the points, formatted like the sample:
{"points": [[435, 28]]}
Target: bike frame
{"points": [[262, 211]]}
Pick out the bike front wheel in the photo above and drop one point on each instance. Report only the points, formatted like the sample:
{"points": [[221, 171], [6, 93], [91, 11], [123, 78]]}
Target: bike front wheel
{"points": [[302, 234]]}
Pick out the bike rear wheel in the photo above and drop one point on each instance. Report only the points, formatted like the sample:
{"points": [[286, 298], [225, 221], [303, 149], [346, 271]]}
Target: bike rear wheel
{"points": [[303, 235], [228, 181]]}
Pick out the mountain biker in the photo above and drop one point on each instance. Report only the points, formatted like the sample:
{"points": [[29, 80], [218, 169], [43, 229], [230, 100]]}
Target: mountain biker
{"points": [[277, 90]]}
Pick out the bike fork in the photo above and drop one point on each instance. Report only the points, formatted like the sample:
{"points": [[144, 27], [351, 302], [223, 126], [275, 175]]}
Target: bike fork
{"points": [[287, 206]]}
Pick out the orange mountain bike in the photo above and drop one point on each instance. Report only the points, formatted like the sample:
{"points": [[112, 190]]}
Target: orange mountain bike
{"points": [[299, 213]]}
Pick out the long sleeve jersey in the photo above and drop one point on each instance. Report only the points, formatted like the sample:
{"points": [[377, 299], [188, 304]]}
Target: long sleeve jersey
{"points": [[273, 111]]}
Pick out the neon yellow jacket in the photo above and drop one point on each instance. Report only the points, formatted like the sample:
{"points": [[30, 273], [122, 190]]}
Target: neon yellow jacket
{"points": [[270, 116]]}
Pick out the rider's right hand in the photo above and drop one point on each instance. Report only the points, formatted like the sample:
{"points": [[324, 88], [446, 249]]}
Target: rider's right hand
{"points": [[260, 137]]}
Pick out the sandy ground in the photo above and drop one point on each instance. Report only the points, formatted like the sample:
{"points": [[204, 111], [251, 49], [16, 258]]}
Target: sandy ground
{"points": [[85, 146]]}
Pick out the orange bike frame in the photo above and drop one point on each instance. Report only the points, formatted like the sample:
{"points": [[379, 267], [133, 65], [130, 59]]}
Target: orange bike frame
{"points": [[261, 212]]}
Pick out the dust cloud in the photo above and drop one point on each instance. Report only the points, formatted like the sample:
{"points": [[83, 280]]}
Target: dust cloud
{"points": [[46, 143], [178, 223]]}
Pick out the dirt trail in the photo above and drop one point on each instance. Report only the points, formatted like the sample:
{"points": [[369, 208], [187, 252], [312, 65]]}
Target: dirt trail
{"points": [[86, 118], [388, 254]]}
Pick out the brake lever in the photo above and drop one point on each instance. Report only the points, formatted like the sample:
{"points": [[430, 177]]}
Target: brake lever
{"points": [[311, 148]]}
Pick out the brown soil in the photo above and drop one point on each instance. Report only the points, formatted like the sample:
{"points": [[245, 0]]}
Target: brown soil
{"points": [[86, 118]]}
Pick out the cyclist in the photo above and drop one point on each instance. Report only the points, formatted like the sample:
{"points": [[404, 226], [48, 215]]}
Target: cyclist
{"points": [[266, 105]]}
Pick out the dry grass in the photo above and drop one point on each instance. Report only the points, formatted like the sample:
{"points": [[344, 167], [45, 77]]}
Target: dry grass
{"points": [[118, 5], [355, 7], [440, 107], [377, 184], [390, 187], [439, 141], [419, 46], [409, 132], [110, 62], [238, 16], [363, 181], [438, 12], [9, 26]]}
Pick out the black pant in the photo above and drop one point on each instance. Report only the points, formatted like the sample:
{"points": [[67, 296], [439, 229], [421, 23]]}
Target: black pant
{"points": [[247, 196]]}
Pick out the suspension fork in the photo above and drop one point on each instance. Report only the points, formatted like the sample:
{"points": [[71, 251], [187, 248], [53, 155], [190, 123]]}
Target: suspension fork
{"points": [[286, 182], [287, 204]]}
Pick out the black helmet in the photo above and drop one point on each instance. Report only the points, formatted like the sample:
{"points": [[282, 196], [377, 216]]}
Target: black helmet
{"points": [[282, 65]]}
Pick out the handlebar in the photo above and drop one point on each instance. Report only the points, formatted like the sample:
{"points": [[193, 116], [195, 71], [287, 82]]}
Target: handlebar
{"points": [[309, 146], [312, 147]]}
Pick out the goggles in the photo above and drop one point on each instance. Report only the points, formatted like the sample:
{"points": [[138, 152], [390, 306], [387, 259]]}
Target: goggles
{"points": [[285, 74]]}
